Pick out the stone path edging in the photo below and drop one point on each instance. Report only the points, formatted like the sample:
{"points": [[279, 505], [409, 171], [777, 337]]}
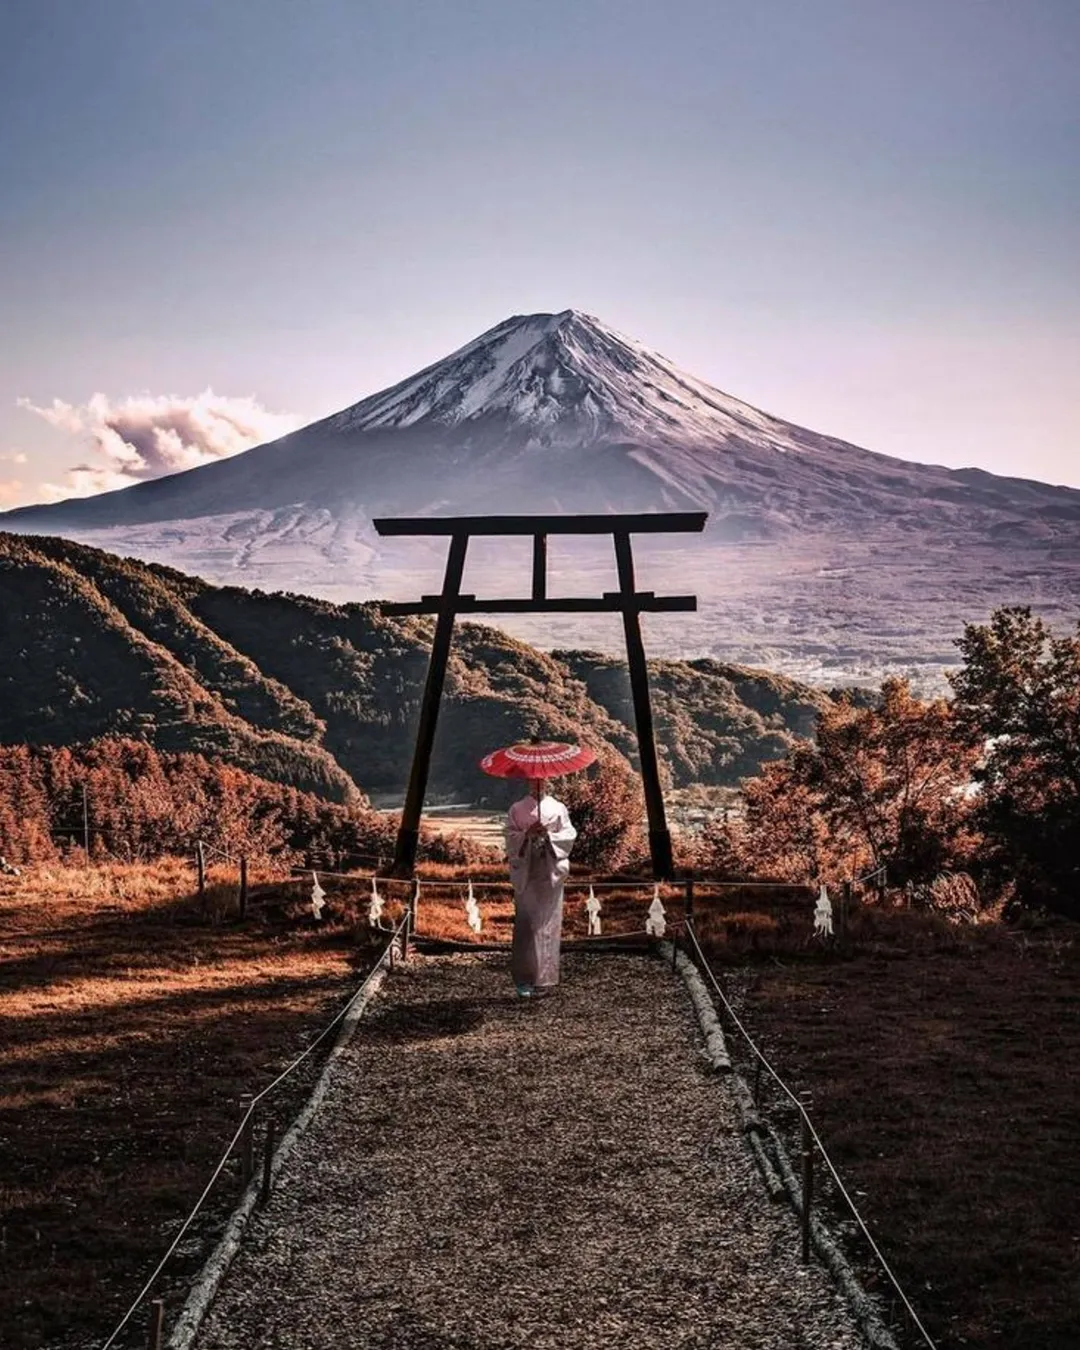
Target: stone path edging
{"points": [[716, 1051], [877, 1334], [217, 1264], [779, 1178]]}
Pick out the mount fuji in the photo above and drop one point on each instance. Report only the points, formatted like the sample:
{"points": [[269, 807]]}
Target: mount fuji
{"points": [[818, 553]]}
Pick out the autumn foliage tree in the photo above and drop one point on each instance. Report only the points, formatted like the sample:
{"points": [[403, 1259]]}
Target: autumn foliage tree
{"points": [[141, 803], [1018, 695], [608, 811], [883, 785]]}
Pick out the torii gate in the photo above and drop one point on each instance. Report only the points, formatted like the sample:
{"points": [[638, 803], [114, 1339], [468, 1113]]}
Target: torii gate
{"points": [[627, 600]]}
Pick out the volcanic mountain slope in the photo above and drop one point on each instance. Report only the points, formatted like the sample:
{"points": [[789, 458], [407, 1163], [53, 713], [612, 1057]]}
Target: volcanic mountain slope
{"points": [[326, 697], [557, 412]]}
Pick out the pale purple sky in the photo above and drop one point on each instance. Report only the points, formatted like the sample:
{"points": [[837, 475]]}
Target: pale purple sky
{"points": [[860, 215]]}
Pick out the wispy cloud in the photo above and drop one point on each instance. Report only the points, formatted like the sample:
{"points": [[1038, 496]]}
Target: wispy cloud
{"points": [[148, 436]]}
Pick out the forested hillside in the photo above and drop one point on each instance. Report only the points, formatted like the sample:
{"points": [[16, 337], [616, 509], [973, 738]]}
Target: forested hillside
{"points": [[123, 799], [325, 697]]}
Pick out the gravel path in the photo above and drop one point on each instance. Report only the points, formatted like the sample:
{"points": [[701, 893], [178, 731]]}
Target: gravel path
{"points": [[487, 1173]]}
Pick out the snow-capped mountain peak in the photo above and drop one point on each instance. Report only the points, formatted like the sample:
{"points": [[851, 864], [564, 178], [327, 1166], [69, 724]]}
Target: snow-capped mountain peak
{"points": [[567, 376], [813, 544]]}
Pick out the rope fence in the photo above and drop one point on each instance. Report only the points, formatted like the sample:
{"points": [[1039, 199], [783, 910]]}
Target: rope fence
{"points": [[571, 883], [244, 1137], [397, 940], [781, 905], [810, 1135]]}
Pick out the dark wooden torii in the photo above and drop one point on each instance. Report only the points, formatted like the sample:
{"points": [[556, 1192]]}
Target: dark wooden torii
{"points": [[627, 600]]}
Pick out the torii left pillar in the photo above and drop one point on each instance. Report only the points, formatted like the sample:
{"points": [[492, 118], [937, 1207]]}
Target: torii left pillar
{"points": [[409, 833]]}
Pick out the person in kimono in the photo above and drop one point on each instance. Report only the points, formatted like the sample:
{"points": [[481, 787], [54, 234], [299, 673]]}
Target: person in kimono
{"points": [[539, 837]]}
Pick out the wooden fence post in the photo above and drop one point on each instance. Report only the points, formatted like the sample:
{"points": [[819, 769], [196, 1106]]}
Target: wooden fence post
{"points": [[405, 930], [247, 1141], [200, 868], [268, 1160], [243, 885], [157, 1324], [807, 1151]]}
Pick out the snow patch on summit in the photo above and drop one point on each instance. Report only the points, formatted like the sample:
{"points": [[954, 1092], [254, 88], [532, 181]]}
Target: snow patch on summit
{"points": [[570, 378], [464, 384]]}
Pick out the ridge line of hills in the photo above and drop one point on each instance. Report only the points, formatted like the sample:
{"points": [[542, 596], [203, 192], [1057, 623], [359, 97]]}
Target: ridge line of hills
{"points": [[324, 697]]}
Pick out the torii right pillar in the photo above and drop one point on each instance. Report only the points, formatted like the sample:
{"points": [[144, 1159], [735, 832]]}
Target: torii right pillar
{"points": [[663, 862]]}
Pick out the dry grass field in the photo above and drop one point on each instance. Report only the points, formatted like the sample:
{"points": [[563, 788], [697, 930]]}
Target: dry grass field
{"points": [[481, 827]]}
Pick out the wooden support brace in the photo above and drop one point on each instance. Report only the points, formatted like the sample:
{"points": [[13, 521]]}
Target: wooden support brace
{"points": [[539, 568]]}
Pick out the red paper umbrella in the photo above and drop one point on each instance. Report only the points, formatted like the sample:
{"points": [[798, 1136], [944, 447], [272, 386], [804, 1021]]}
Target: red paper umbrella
{"points": [[537, 759]]}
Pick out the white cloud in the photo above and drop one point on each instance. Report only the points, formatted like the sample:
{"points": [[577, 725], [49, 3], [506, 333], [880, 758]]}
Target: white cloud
{"points": [[13, 457], [85, 480], [148, 436]]}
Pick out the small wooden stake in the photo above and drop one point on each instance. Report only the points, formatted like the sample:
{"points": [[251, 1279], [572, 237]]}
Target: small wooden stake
{"points": [[807, 1151], [200, 868], [268, 1160], [689, 903], [243, 885], [247, 1142], [157, 1324], [405, 927]]}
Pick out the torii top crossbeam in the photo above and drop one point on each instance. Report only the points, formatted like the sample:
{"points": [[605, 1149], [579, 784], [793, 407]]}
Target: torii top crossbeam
{"points": [[644, 522], [627, 600]]}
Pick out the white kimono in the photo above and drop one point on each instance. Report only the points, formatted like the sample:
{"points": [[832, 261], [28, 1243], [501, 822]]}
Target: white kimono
{"points": [[538, 868]]}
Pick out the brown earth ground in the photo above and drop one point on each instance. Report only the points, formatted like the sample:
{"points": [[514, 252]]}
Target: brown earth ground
{"points": [[941, 1062], [132, 1025], [942, 1065]]}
